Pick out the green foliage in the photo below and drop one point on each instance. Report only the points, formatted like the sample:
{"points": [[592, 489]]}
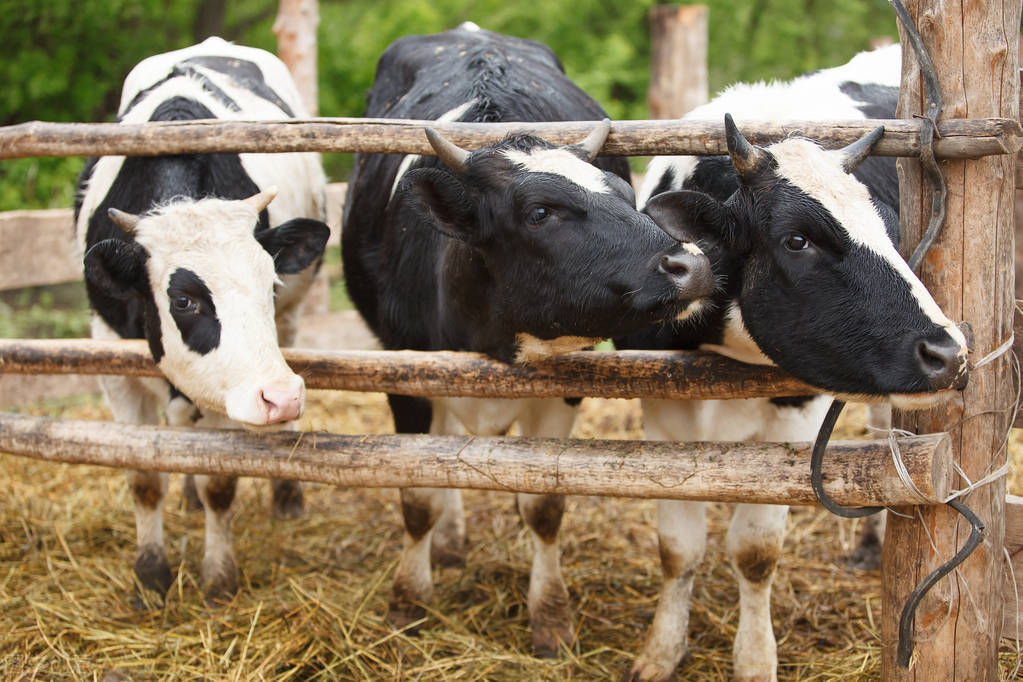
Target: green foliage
{"points": [[59, 311], [65, 60]]}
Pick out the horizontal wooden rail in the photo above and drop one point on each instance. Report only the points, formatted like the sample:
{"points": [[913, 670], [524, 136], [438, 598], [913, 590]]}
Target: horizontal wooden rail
{"points": [[619, 374], [856, 473], [958, 138], [600, 374]]}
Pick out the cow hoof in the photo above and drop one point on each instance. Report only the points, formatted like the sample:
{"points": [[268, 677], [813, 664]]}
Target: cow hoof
{"points": [[755, 677], [447, 556], [405, 617], [153, 571], [549, 639], [289, 502], [649, 672], [221, 582], [190, 495]]}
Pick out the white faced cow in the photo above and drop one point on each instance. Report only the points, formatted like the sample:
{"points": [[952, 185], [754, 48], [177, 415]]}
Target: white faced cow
{"points": [[519, 250], [189, 253], [803, 241]]}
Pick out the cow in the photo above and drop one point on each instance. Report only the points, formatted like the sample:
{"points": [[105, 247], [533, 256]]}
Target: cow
{"points": [[803, 245], [519, 250], [188, 252]]}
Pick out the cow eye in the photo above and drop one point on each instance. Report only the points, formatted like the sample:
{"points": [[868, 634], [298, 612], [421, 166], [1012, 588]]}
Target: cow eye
{"points": [[796, 242], [537, 215], [183, 304]]}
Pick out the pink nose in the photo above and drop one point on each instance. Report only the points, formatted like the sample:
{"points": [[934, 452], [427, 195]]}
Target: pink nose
{"points": [[282, 402]]}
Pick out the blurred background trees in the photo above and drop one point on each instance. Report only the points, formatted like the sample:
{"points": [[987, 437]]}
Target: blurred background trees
{"points": [[65, 60]]}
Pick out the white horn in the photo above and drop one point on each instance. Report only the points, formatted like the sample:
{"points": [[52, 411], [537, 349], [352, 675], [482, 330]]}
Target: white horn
{"points": [[263, 199]]}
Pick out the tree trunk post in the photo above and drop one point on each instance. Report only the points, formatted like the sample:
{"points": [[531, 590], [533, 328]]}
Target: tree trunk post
{"points": [[678, 63], [969, 270], [295, 28]]}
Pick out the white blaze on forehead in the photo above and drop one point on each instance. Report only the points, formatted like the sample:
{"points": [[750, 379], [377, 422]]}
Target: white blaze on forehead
{"points": [[561, 162], [819, 173], [406, 163]]}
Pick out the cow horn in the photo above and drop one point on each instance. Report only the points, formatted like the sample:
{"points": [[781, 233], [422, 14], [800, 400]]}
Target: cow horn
{"points": [[262, 199], [593, 143], [450, 153], [857, 152], [126, 221], [746, 158]]}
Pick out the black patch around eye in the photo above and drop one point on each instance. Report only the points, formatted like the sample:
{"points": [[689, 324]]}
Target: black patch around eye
{"points": [[197, 322]]}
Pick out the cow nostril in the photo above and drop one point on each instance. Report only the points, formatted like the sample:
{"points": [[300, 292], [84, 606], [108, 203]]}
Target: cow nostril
{"points": [[268, 403], [940, 362], [674, 265]]}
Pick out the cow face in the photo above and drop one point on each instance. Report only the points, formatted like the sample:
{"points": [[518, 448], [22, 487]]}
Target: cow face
{"points": [[821, 289], [204, 279], [567, 258]]}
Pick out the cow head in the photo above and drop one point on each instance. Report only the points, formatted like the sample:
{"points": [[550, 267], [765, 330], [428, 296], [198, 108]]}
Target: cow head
{"points": [[567, 257], [820, 288], [203, 279]]}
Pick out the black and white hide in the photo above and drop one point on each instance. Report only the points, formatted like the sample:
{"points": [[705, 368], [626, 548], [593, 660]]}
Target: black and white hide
{"points": [[189, 253], [803, 242], [519, 250]]}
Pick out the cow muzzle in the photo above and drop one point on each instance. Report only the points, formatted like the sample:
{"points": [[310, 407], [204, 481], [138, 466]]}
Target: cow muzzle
{"points": [[269, 403], [690, 272]]}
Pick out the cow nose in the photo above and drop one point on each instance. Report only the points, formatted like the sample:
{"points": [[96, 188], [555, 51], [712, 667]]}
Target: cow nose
{"points": [[282, 402], [690, 272], [942, 362]]}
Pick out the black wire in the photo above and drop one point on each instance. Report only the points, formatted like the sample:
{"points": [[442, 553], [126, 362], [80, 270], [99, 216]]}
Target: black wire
{"points": [[905, 651], [816, 466], [928, 130]]}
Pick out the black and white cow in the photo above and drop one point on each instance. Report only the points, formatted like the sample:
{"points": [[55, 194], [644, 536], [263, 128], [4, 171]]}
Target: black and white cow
{"points": [[189, 253], [519, 250], [803, 242]]}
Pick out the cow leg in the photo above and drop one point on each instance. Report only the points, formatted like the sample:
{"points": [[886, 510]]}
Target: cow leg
{"points": [[682, 537], [447, 546], [148, 488], [421, 508], [219, 570], [550, 617], [754, 543], [132, 402], [288, 499]]}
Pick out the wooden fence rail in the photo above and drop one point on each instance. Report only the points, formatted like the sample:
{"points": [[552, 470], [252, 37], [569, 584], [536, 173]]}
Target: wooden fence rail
{"points": [[618, 374], [856, 472], [958, 138]]}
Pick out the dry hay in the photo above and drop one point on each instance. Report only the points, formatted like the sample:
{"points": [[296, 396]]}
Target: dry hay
{"points": [[314, 591]]}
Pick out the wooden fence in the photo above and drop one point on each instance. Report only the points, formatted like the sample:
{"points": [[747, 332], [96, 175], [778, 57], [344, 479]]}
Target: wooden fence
{"points": [[968, 270]]}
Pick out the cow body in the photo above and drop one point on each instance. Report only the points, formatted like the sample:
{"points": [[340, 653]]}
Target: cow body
{"points": [[811, 281], [193, 254], [519, 250]]}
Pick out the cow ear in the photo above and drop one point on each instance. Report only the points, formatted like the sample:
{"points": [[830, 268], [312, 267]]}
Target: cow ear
{"points": [[442, 196], [295, 244], [689, 216], [116, 269]]}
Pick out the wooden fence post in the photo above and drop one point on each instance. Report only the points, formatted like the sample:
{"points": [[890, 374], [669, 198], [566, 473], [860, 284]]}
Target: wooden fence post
{"points": [[678, 60], [970, 272], [295, 28]]}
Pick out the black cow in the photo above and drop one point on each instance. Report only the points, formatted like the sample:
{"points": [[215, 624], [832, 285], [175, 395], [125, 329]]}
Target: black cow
{"points": [[803, 242], [518, 250], [188, 253]]}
